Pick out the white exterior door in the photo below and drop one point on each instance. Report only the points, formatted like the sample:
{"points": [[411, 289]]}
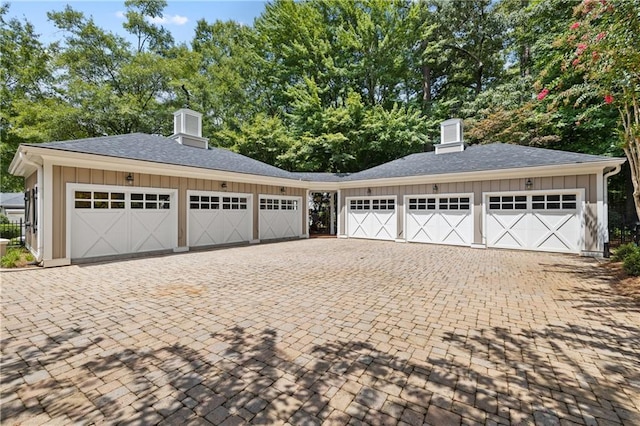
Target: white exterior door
{"points": [[373, 218], [112, 220], [219, 218], [440, 219], [543, 221], [280, 217]]}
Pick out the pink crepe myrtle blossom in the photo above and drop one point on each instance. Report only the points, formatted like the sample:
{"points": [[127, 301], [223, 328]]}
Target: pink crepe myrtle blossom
{"points": [[581, 48], [543, 94], [575, 62], [600, 36], [595, 56], [575, 25], [608, 99]]}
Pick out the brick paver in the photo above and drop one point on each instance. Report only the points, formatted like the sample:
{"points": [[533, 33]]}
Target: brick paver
{"points": [[321, 331]]}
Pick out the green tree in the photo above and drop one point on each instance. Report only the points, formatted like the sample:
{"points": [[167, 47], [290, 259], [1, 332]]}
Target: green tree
{"points": [[25, 71], [597, 70]]}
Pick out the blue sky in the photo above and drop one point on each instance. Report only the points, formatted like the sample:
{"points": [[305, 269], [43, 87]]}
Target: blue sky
{"points": [[180, 17]]}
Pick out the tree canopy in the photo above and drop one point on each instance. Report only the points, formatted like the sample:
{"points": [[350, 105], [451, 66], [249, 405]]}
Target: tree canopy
{"points": [[335, 85]]}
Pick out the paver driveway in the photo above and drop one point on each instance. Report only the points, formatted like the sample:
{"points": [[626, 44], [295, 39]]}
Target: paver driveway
{"points": [[333, 331]]}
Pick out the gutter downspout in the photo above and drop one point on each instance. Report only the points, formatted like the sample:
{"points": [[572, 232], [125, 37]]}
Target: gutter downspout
{"points": [[606, 253], [40, 170]]}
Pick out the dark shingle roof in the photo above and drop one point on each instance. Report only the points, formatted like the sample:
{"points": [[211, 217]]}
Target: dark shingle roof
{"points": [[159, 149], [320, 177], [475, 158]]}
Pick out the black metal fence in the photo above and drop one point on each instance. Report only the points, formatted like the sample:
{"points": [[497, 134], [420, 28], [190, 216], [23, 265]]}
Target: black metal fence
{"points": [[14, 232], [623, 223]]}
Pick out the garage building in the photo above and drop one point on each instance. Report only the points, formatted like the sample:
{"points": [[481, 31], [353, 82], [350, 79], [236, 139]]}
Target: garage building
{"points": [[137, 194]]}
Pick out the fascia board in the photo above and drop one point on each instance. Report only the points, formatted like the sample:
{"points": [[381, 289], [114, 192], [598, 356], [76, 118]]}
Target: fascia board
{"points": [[23, 164], [523, 172], [322, 186], [76, 159]]}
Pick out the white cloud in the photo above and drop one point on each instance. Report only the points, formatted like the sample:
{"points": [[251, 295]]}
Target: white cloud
{"points": [[120, 14], [169, 20]]}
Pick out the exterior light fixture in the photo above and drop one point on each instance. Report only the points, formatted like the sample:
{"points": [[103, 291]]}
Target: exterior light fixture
{"points": [[368, 191], [435, 187], [283, 189], [129, 179], [528, 184], [223, 185]]}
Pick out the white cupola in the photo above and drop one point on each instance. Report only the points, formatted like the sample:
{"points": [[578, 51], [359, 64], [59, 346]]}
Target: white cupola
{"points": [[187, 128], [451, 137]]}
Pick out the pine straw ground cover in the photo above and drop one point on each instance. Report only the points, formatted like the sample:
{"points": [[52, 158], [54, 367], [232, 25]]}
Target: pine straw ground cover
{"points": [[622, 283]]}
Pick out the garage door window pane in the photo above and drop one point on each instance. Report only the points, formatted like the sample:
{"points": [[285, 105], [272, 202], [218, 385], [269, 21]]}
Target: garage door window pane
{"points": [[137, 197], [101, 195], [83, 204], [137, 205], [150, 206], [83, 195], [555, 202], [117, 195], [117, 204], [100, 204], [508, 202], [151, 197]]}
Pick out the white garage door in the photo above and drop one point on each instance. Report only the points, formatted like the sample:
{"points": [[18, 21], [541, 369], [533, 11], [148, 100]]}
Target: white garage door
{"points": [[110, 220], [219, 218], [542, 221], [441, 219], [373, 218], [280, 217]]}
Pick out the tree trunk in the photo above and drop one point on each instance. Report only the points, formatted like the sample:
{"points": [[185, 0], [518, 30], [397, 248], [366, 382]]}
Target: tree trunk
{"points": [[426, 83], [525, 57], [479, 73], [630, 115]]}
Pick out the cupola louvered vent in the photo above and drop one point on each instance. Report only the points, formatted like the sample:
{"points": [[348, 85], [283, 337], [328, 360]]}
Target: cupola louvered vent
{"points": [[451, 137], [187, 128]]}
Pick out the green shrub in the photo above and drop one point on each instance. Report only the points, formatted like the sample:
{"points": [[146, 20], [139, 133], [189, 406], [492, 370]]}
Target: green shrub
{"points": [[11, 259], [9, 231], [15, 258], [631, 263], [625, 250]]}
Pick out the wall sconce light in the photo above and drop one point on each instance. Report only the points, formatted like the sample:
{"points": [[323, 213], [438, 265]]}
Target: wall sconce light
{"points": [[223, 185], [129, 179], [368, 191], [283, 189], [435, 187], [528, 184]]}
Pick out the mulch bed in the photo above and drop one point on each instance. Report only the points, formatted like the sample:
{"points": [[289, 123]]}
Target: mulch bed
{"points": [[624, 284]]}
